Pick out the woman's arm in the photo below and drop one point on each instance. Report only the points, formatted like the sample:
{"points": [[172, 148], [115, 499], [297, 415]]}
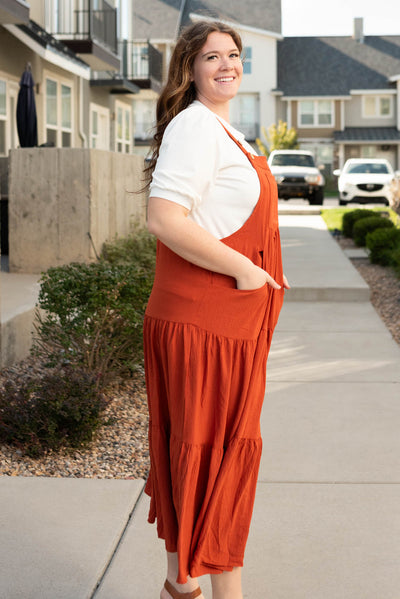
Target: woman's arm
{"points": [[168, 221]]}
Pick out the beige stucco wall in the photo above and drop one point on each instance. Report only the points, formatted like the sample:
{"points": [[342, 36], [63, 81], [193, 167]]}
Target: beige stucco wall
{"points": [[354, 115], [59, 195]]}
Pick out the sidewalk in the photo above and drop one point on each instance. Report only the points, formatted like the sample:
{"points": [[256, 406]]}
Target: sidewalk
{"points": [[326, 522]]}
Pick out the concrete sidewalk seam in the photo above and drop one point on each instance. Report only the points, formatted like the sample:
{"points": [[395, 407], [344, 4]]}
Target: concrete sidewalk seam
{"points": [[117, 546]]}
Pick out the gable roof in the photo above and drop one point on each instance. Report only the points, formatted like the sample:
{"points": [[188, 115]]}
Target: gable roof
{"points": [[156, 19], [332, 66], [162, 19], [262, 14]]}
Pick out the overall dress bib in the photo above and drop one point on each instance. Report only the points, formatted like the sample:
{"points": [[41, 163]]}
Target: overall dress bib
{"points": [[206, 348]]}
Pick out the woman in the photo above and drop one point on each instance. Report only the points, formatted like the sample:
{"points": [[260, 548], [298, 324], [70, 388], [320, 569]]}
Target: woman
{"points": [[217, 294]]}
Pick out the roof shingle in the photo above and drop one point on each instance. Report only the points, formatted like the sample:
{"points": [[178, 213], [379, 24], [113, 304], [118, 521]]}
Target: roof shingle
{"points": [[332, 66]]}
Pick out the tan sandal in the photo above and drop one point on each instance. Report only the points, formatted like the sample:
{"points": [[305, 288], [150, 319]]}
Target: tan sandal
{"points": [[176, 595]]}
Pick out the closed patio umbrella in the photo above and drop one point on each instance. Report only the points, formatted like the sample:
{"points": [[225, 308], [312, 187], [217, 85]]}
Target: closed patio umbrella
{"points": [[26, 111]]}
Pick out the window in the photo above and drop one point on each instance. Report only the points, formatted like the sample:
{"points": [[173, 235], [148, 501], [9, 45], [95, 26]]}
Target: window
{"points": [[58, 113], [3, 116], [144, 114], [123, 128], [244, 113], [99, 127], [247, 56], [377, 106], [59, 16], [316, 113], [8, 110]]}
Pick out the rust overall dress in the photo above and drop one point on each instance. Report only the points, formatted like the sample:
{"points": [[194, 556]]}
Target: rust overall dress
{"points": [[206, 348]]}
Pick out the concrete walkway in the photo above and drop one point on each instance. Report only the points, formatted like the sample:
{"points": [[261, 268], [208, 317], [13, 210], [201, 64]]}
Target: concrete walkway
{"points": [[326, 522]]}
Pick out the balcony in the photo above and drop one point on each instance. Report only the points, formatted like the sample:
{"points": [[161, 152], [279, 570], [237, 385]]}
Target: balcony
{"points": [[92, 35], [14, 12], [142, 64]]}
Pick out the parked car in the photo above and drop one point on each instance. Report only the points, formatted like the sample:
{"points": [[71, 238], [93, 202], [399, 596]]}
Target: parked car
{"points": [[297, 175], [365, 180]]}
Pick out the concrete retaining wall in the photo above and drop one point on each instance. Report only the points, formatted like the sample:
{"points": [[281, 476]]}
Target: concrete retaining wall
{"points": [[64, 203]]}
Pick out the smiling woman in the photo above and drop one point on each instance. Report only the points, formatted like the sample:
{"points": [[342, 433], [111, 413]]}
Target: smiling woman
{"points": [[208, 327]]}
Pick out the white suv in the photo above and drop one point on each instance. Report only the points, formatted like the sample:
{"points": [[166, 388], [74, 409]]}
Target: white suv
{"points": [[297, 175], [365, 180]]}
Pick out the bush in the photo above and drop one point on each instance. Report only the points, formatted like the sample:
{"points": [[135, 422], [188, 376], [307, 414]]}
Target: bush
{"points": [[349, 218], [138, 249], [63, 408], [395, 259], [384, 246], [93, 318], [366, 225]]}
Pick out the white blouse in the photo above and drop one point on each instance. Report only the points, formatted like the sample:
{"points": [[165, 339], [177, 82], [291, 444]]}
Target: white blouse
{"points": [[201, 168]]}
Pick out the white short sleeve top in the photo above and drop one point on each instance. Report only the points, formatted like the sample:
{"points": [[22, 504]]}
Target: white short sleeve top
{"points": [[201, 168]]}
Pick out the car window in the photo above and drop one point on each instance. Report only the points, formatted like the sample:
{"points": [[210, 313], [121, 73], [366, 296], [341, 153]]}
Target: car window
{"points": [[376, 168], [292, 160]]}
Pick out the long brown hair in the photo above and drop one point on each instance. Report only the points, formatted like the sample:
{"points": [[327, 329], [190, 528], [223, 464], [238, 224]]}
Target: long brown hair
{"points": [[179, 91]]}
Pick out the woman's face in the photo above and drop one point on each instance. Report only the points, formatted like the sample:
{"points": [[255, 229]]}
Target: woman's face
{"points": [[217, 70]]}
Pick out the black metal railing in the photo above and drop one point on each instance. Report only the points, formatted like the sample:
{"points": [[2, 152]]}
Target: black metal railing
{"points": [[140, 61], [98, 24]]}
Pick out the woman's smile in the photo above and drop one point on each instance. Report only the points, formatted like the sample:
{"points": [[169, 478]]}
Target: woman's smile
{"points": [[217, 72]]}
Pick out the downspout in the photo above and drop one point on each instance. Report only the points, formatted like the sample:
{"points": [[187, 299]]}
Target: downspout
{"points": [[81, 132]]}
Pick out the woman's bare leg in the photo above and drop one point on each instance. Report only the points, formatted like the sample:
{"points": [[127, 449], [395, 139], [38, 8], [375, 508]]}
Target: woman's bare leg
{"points": [[172, 573], [227, 585]]}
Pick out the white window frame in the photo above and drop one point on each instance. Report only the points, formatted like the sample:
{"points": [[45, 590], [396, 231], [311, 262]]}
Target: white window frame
{"points": [[139, 122], [126, 144], [4, 117], [59, 16], [101, 111], [377, 99], [59, 128], [248, 58], [11, 139], [315, 113]]}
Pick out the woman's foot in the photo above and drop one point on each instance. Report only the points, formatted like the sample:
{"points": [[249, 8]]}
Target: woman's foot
{"points": [[181, 591], [174, 588]]}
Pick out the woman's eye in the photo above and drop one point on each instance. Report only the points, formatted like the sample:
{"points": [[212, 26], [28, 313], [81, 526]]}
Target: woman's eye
{"points": [[234, 55], [212, 57]]}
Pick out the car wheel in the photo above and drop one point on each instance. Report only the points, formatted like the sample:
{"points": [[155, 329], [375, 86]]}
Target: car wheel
{"points": [[342, 202], [317, 198]]}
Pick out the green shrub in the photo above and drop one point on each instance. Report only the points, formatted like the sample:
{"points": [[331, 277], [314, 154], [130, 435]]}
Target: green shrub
{"points": [[93, 317], [349, 218], [137, 249], [63, 408], [384, 246], [366, 225], [395, 259]]}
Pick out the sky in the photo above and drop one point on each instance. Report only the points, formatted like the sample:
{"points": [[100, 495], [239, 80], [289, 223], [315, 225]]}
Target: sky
{"points": [[335, 17]]}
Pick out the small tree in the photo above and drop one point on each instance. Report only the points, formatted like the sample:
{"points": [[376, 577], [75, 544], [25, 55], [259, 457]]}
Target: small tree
{"points": [[278, 137]]}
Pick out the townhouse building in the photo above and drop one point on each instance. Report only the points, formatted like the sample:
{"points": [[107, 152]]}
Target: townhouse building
{"points": [[98, 67], [68, 45], [342, 95]]}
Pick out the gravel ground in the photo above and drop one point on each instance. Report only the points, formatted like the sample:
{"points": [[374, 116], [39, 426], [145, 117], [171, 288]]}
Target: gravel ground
{"points": [[120, 449], [385, 289]]}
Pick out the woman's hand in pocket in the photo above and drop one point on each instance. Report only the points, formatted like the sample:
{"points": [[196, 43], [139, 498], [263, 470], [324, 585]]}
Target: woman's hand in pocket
{"points": [[255, 278]]}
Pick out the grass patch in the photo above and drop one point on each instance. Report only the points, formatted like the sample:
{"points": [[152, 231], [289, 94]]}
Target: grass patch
{"points": [[333, 216]]}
